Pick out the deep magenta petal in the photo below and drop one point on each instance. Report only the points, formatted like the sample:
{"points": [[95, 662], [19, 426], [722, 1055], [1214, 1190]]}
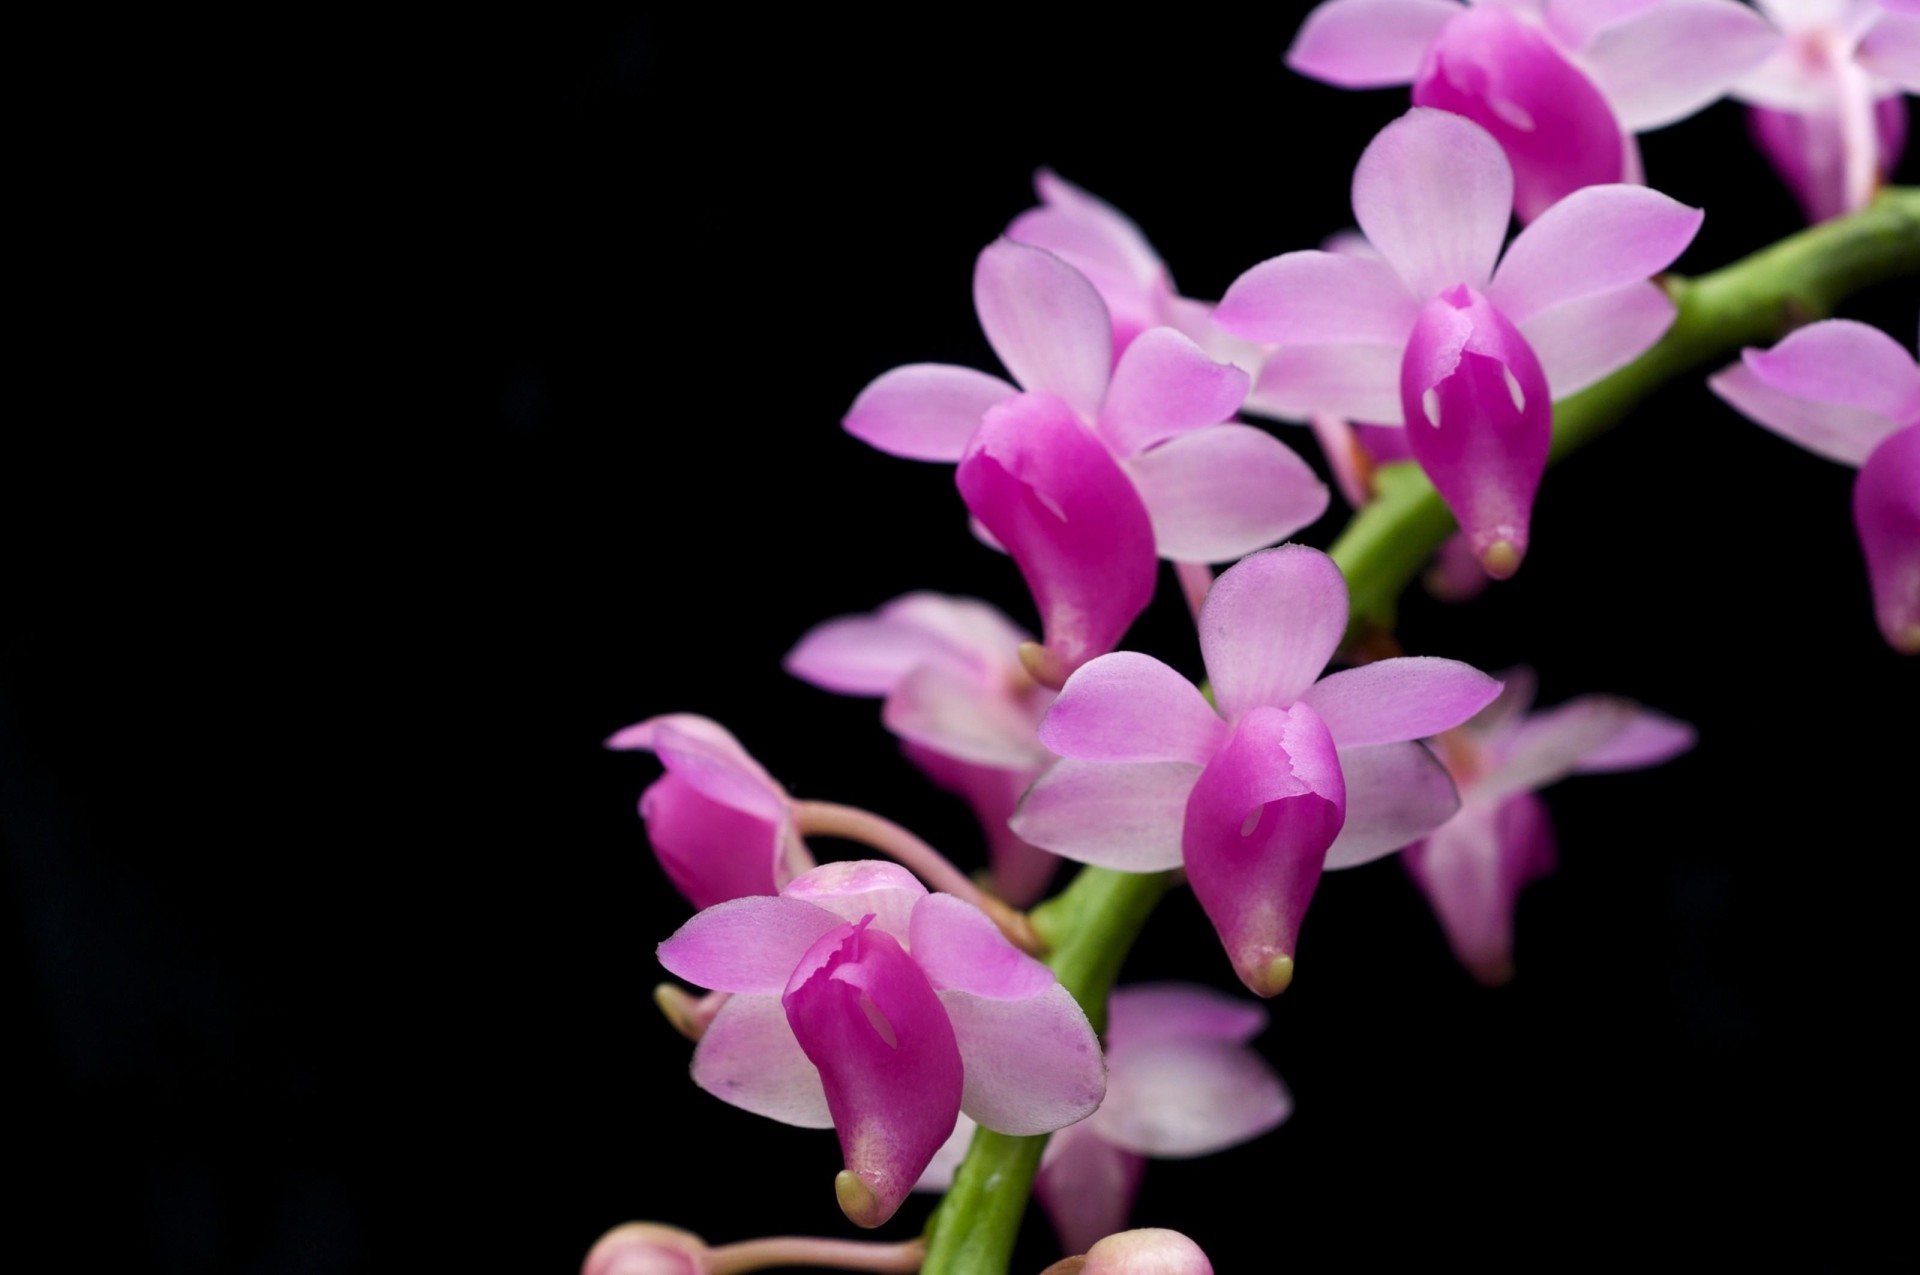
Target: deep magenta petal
{"points": [[710, 851], [1554, 125], [867, 1018], [1257, 828], [1886, 513], [1051, 493], [1809, 151], [1471, 871], [1479, 420]]}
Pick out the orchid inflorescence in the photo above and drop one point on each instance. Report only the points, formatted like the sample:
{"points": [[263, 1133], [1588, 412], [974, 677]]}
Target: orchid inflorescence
{"points": [[905, 1003]]}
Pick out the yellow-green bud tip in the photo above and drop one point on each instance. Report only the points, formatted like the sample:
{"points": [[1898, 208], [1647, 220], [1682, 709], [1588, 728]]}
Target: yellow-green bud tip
{"points": [[858, 1201], [1042, 665], [679, 1009], [1272, 978], [1500, 559], [1908, 641]]}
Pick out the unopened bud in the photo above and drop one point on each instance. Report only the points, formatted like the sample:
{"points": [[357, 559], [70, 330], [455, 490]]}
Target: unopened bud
{"points": [[646, 1248], [1148, 1251]]}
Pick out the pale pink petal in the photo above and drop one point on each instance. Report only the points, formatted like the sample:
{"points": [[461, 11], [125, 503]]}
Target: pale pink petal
{"points": [[1433, 193], [1046, 323], [713, 852], [748, 1057], [1367, 44], [1221, 492], [1518, 686], [1581, 341], [1121, 815], [1396, 794], [1408, 697], [1175, 1098], [1150, 1013], [1647, 739], [1553, 743], [1100, 242], [1348, 458], [703, 731], [1892, 50], [1131, 707], [858, 888], [1319, 298], [1810, 151], [1843, 362], [718, 768], [862, 654], [1574, 22], [1355, 382], [1844, 434], [1049, 491], [972, 627], [924, 411], [1485, 447], [1554, 125], [1471, 871], [1258, 825], [747, 945], [1021, 872], [1598, 239], [1674, 58], [961, 949], [1886, 513], [1087, 1186], [866, 1017], [956, 712], [1270, 624], [1164, 386], [1032, 1065]]}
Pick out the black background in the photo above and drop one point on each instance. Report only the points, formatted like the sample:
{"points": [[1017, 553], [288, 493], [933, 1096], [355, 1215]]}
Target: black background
{"points": [[331, 925]]}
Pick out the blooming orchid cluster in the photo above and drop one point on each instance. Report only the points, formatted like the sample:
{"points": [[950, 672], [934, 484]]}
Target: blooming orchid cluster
{"points": [[939, 1020]]}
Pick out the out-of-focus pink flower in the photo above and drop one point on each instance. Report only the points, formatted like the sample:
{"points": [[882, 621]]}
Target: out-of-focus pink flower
{"points": [[864, 1003], [1433, 334], [1848, 392], [1098, 466], [647, 1248], [1563, 85], [719, 824], [1293, 775], [1472, 867], [1826, 107], [1147, 1251], [956, 695]]}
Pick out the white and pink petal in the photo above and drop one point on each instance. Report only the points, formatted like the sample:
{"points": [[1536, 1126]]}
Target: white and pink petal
{"points": [[1122, 815]]}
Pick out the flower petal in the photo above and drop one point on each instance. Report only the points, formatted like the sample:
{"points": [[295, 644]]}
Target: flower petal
{"points": [[1492, 67], [972, 628], [924, 411], [1886, 513], [1486, 446], [716, 766], [1892, 50], [1270, 624], [1222, 492], [1150, 1013], [1551, 744], [867, 1018], [1647, 739], [1581, 341], [747, 945], [1844, 434], [1811, 151], [1176, 1098], [862, 654], [1408, 697], [1367, 44], [1049, 491], [1672, 59], [1597, 239], [1046, 323], [1433, 194], [1087, 1186], [1396, 794], [1841, 361], [1471, 870], [1164, 386], [1355, 382], [1131, 707], [714, 852], [749, 1057], [1032, 1065], [1319, 298], [1258, 825], [1121, 815], [958, 713], [960, 949]]}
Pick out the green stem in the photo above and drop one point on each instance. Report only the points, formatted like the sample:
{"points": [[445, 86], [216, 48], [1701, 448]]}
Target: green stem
{"points": [[1090, 926], [1752, 301]]}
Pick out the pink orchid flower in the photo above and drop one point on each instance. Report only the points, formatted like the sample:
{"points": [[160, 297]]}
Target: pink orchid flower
{"points": [[1098, 466], [1848, 392], [1826, 108], [1472, 867], [719, 824], [1434, 335], [967, 713], [1295, 773], [1181, 1083], [1563, 85], [862, 1002]]}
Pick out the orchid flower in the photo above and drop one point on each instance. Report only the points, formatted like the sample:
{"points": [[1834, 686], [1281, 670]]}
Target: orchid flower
{"points": [[1098, 466], [862, 1002], [965, 710], [1433, 335], [1293, 775], [1562, 85], [1151, 1250], [1181, 1082], [1826, 108], [1471, 869], [1848, 392]]}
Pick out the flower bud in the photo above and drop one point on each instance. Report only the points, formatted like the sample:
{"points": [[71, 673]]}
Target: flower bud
{"points": [[646, 1248]]}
